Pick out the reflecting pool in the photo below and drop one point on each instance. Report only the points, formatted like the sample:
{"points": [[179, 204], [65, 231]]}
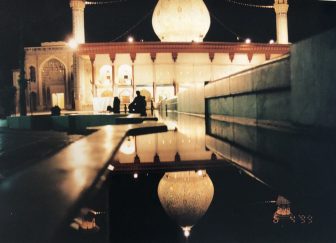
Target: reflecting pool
{"points": [[203, 181]]}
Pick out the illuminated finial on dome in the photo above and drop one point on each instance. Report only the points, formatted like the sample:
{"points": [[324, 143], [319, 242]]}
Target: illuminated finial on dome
{"points": [[181, 20], [186, 231]]}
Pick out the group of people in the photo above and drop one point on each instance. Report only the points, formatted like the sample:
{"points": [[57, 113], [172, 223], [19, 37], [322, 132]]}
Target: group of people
{"points": [[138, 105]]}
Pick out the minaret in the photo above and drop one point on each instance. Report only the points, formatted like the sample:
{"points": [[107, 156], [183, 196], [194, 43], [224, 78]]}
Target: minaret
{"points": [[78, 30], [281, 9]]}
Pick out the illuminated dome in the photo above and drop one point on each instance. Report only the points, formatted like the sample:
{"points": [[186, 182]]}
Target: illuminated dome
{"points": [[186, 196], [181, 20]]}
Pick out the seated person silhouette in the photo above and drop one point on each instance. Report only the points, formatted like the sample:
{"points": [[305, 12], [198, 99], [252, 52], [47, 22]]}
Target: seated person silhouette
{"points": [[109, 108], [116, 105], [138, 105]]}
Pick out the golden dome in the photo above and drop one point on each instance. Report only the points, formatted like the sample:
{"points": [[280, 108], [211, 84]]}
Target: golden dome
{"points": [[181, 20], [186, 196]]}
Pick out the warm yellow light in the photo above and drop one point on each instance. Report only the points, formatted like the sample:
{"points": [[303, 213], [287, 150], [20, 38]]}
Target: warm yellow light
{"points": [[73, 44], [186, 231], [248, 41], [130, 39], [271, 41], [200, 172]]}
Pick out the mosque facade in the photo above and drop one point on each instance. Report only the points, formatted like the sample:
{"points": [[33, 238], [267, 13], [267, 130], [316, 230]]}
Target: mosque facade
{"points": [[88, 75]]}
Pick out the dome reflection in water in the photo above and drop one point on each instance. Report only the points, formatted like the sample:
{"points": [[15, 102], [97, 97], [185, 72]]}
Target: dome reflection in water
{"points": [[186, 197]]}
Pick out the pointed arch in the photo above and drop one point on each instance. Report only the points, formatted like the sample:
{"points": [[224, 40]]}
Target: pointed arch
{"points": [[50, 58]]}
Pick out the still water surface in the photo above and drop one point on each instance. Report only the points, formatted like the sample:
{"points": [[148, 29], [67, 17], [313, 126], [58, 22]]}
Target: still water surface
{"points": [[221, 190]]}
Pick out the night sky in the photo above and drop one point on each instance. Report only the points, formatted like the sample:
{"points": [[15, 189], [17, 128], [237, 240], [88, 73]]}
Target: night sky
{"points": [[50, 20]]}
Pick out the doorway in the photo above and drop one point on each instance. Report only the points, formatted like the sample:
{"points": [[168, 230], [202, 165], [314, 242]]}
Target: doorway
{"points": [[58, 100]]}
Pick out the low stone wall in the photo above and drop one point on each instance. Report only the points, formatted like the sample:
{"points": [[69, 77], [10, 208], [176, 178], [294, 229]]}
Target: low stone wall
{"points": [[3, 123], [168, 105], [261, 93], [192, 100], [313, 78]]}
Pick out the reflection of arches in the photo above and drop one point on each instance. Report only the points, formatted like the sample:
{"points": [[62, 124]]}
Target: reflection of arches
{"points": [[33, 101], [125, 74], [105, 75], [147, 94], [106, 93]]}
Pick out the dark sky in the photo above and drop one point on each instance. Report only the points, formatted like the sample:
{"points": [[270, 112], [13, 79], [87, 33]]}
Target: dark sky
{"points": [[50, 20]]}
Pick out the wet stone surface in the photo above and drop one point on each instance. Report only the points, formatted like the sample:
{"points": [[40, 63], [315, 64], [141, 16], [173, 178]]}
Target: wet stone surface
{"points": [[20, 149]]}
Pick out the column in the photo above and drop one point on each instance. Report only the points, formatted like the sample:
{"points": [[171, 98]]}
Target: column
{"points": [[93, 73], [211, 57], [112, 58], [133, 57], [39, 84], [175, 84], [153, 57], [77, 88]]}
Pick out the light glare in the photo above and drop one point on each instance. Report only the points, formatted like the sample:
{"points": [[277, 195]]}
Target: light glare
{"points": [[73, 44]]}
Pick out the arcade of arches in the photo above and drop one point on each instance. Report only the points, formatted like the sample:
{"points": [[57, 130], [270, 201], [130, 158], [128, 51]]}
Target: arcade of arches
{"points": [[90, 78]]}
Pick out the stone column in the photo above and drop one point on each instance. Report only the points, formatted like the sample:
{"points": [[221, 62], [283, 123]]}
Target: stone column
{"points": [[112, 58], [93, 73], [175, 84], [133, 57], [77, 87], [211, 57], [39, 84], [153, 57], [78, 28], [281, 9]]}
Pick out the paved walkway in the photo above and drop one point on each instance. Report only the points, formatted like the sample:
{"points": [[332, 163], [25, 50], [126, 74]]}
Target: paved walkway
{"points": [[19, 149]]}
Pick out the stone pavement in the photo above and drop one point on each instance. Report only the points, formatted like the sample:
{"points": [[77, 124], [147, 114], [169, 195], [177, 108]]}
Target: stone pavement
{"points": [[19, 148]]}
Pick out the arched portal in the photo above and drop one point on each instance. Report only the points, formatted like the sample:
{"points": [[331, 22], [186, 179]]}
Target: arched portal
{"points": [[54, 79], [105, 75]]}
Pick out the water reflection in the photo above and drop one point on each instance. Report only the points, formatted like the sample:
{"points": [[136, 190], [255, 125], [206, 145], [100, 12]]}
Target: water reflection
{"points": [[128, 146], [283, 212], [141, 197], [186, 197], [172, 146]]}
